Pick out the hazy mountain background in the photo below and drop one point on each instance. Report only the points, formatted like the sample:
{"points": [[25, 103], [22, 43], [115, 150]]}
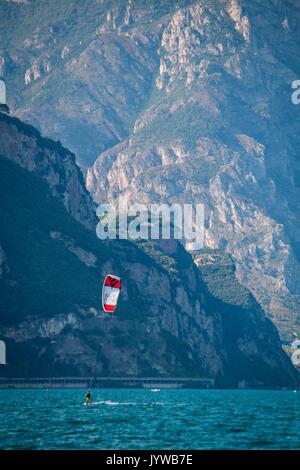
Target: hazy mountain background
{"points": [[180, 100]]}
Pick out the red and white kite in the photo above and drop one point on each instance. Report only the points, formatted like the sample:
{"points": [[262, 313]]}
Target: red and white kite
{"points": [[110, 293]]}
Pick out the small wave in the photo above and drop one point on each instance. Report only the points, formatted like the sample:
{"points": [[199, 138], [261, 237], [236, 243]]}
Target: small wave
{"points": [[124, 403], [112, 403], [153, 403]]}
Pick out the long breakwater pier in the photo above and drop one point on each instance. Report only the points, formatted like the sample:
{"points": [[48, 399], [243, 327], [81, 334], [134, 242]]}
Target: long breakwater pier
{"points": [[105, 382]]}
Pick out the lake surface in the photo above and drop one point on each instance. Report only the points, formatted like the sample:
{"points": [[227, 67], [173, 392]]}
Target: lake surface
{"points": [[141, 419]]}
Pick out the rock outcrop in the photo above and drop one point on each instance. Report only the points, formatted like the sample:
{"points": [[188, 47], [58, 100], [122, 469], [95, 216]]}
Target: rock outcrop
{"points": [[52, 162]]}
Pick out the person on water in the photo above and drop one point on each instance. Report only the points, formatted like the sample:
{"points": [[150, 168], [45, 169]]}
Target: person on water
{"points": [[88, 397]]}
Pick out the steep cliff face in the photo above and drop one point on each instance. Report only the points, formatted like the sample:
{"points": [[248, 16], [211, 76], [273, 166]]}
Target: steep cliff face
{"points": [[168, 321], [184, 101], [66, 68], [49, 160], [213, 132]]}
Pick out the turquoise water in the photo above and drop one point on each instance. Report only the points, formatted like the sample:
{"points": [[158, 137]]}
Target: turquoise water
{"points": [[141, 419]]}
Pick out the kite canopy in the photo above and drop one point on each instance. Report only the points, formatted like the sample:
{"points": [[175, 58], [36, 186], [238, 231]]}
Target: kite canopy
{"points": [[110, 293]]}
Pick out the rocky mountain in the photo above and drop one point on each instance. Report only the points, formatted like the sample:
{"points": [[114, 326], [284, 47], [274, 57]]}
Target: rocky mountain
{"points": [[169, 322], [181, 101], [65, 63], [220, 128], [51, 162]]}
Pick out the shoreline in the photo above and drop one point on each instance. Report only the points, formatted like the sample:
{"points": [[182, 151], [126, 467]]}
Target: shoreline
{"points": [[106, 382], [146, 383]]}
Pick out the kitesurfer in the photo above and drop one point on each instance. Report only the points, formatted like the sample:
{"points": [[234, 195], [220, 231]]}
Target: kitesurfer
{"points": [[88, 397]]}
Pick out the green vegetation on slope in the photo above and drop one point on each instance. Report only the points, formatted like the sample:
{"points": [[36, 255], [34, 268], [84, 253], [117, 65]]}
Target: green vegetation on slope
{"points": [[218, 272], [42, 273]]}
